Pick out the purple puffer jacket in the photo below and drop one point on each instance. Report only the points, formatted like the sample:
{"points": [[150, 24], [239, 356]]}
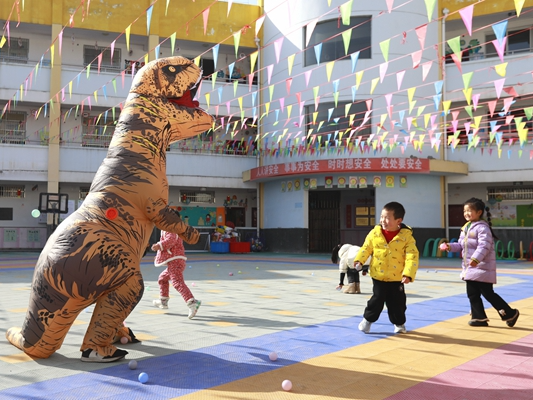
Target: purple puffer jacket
{"points": [[476, 241]]}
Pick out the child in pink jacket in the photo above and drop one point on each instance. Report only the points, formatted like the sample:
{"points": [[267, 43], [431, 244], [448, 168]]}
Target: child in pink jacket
{"points": [[476, 242], [171, 253]]}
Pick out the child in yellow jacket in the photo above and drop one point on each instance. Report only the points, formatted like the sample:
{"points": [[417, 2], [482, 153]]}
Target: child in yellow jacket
{"points": [[394, 263]]}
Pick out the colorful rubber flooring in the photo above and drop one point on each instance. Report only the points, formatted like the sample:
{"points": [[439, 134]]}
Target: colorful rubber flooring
{"points": [[257, 304]]}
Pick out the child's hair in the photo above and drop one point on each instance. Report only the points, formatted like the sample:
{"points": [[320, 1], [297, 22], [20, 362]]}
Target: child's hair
{"points": [[479, 205], [396, 208], [335, 254]]}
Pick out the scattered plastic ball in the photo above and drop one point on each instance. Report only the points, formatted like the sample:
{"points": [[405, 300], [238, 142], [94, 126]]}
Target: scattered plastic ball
{"points": [[240, 272], [443, 246], [218, 265], [111, 213], [256, 267], [285, 385], [273, 356], [132, 364], [190, 266], [231, 274], [123, 340], [312, 274], [143, 377], [35, 213], [193, 284]]}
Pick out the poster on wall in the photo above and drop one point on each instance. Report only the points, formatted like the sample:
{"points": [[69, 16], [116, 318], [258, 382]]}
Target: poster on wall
{"points": [[283, 186], [352, 183], [313, 183], [503, 215], [199, 216], [389, 181], [363, 183], [306, 184], [377, 181], [524, 215], [289, 186], [328, 182], [297, 184], [403, 181], [341, 182]]}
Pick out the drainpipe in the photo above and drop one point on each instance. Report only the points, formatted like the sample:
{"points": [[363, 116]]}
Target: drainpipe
{"points": [[445, 12], [258, 190]]}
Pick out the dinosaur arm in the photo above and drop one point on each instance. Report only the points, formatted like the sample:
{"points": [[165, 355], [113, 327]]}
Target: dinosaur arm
{"points": [[167, 220]]}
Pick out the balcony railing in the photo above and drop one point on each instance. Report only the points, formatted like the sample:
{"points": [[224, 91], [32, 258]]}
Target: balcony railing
{"points": [[12, 132], [97, 136]]}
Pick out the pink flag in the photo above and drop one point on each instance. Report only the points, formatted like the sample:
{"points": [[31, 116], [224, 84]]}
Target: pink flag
{"points": [[277, 47], [500, 47], [307, 76], [421, 33], [455, 114], [389, 5], [399, 78], [475, 100], [309, 31], [498, 85], [60, 37], [416, 56], [282, 103], [506, 104], [466, 15], [270, 68], [467, 127], [205, 14], [510, 91], [288, 83], [369, 104], [383, 70], [492, 106], [425, 69], [457, 62]]}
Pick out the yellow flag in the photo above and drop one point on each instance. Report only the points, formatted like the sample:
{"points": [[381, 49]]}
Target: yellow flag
{"points": [[207, 98], [329, 69], [501, 69], [375, 82], [358, 78], [128, 30], [290, 62]]}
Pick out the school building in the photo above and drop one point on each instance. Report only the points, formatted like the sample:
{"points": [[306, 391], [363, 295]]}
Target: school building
{"points": [[325, 110]]}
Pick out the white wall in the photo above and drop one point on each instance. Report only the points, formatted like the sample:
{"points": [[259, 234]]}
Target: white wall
{"points": [[284, 209]]}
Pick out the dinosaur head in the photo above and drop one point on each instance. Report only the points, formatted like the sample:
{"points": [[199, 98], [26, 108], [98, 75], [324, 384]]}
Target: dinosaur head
{"points": [[170, 84]]}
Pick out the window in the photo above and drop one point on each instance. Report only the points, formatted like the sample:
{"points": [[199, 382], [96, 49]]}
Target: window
{"points": [[510, 193], [202, 196], [334, 120], [91, 53], [518, 41], [12, 191], [97, 135], [16, 52], [13, 128], [84, 191], [329, 33]]}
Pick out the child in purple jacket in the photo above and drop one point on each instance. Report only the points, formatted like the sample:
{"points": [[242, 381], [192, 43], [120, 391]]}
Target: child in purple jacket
{"points": [[479, 265]]}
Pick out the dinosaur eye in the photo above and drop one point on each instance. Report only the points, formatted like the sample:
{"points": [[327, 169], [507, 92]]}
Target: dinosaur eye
{"points": [[172, 69]]}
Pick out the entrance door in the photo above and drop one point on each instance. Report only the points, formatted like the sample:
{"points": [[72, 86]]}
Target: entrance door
{"points": [[324, 220]]}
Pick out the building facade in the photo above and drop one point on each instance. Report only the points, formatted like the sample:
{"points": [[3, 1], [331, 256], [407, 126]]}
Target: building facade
{"points": [[323, 113]]}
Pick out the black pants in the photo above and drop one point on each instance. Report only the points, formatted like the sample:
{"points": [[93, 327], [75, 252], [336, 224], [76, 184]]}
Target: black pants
{"points": [[353, 275], [475, 290], [393, 295]]}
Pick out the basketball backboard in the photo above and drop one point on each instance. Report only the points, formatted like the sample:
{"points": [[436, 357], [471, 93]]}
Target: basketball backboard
{"points": [[53, 203]]}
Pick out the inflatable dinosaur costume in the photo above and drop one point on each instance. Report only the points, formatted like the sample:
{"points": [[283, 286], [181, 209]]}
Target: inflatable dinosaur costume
{"points": [[93, 257]]}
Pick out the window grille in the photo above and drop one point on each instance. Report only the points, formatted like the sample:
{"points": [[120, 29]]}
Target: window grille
{"points": [[91, 54], [188, 196], [329, 34], [510, 193], [16, 52], [13, 128], [12, 191], [97, 135]]}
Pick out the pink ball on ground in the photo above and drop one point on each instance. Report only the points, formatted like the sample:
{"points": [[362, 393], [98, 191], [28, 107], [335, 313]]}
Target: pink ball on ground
{"points": [[286, 385], [231, 274], [123, 340], [273, 356]]}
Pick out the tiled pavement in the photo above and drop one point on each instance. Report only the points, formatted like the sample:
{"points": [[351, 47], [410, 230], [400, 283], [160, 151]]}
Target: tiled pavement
{"points": [[255, 304]]}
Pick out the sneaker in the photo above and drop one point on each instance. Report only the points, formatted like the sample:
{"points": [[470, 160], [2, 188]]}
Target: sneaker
{"points": [[364, 326], [193, 305], [510, 323], [400, 328], [91, 355], [475, 322], [161, 303]]}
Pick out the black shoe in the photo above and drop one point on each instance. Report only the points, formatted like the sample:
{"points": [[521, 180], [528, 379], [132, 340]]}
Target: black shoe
{"points": [[474, 322], [510, 323], [91, 355], [132, 336]]}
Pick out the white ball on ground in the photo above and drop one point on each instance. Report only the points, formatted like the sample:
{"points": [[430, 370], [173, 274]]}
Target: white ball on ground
{"points": [[286, 385], [123, 340], [132, 364], [273, 356]]}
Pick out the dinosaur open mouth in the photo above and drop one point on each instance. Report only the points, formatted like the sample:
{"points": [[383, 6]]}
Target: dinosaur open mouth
{"points": [[186, 100]]}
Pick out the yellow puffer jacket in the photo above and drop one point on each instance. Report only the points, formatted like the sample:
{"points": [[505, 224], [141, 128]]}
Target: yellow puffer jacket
{"points": [[390, 261]]}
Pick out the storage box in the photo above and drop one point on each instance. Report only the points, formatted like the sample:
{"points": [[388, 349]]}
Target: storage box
{"points": [[239, 247], [220, 247]]}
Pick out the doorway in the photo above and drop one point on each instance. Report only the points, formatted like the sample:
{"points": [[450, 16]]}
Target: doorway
{"points": [[324, 220]]}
